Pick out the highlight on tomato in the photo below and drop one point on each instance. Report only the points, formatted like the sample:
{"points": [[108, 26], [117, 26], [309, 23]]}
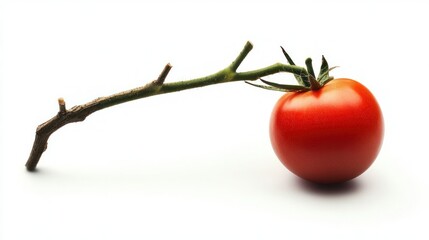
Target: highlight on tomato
{"points": [[325, 130]]}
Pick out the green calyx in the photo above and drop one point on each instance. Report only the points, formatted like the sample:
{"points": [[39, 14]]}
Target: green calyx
{"points": [[306, 78]]}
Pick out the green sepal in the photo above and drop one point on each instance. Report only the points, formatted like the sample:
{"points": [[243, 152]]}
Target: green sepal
{"points": [[288, 58], [305, 77], [265, 87], [279, 87], [298, 78], [328, 80], [287, 87], [325, 78], [324, 71]]}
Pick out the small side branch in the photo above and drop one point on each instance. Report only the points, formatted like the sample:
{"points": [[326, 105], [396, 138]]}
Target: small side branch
{"points": [[163, 75], [80, 112], [247, 48], [62, 105]]}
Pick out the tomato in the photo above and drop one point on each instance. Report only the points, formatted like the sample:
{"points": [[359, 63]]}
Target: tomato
{"points": [[329, 135]]}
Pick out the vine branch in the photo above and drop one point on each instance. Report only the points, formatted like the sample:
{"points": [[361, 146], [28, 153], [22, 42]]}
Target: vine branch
{"points": [[80, 112]]}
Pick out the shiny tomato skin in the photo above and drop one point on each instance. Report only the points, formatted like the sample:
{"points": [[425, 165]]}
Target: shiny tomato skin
{"points": [[330, 135]]}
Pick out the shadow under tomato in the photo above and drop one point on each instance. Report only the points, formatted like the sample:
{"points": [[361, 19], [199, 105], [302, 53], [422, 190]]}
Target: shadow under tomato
{"points": [[338, 189]]}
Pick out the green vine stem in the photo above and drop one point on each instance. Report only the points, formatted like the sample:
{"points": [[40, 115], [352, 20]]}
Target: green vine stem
{"points": [[156, 87]]}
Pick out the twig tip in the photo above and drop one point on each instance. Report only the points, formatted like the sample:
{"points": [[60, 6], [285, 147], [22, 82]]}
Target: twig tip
{"points": [[62, 105], [163, 75], [249, 44]]}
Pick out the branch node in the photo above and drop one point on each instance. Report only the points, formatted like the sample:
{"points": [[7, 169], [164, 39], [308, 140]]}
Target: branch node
{"points": [[163, 75], [62, 106], [236, 63]]}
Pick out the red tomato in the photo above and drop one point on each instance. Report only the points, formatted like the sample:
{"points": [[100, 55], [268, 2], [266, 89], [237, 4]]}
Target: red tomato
{"points": [[329, 135]]}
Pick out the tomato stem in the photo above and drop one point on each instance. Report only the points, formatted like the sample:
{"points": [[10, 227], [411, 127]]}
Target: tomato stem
{"points": [[309, 64], [229, 74], [314, 84]]}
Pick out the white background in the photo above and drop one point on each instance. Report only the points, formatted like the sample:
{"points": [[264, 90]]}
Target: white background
{"points": [[198, 164]]}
